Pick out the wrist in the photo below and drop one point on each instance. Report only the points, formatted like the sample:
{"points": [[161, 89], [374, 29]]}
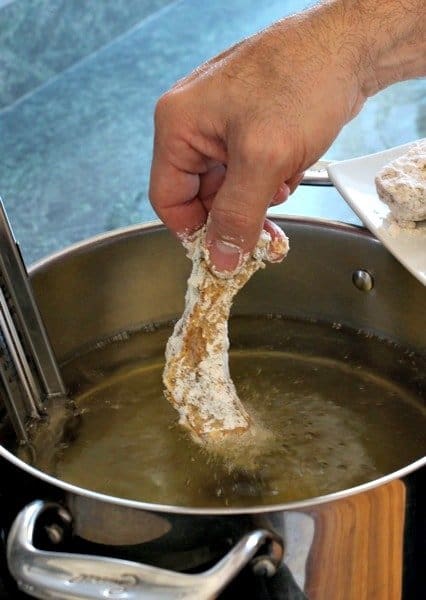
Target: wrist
{"points": [[390, 36]]}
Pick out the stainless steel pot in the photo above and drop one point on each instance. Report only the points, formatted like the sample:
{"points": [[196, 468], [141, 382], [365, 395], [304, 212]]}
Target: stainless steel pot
{"points": [[356, 544]]}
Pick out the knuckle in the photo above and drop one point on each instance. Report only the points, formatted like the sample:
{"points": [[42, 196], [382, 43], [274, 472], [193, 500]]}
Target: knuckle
{"points": [[164, 106]]}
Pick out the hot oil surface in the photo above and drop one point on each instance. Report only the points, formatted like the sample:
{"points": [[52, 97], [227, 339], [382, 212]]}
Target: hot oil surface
{"points": [[342, 409]]}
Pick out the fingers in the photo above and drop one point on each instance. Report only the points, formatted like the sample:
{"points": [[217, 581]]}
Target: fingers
{"points": [[278, 247], [183, 201], [294, 181], [238, 213], [188, 184], [210, 183], [281, 195], [174, 197], [177, 171], [286, 189]]}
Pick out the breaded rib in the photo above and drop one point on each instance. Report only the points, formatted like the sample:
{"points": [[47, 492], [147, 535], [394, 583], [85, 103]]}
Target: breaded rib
{"points": [[401, 184], [196, 375]]}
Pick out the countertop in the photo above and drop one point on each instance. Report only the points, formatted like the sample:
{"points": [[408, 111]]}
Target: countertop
{"points": [[75, 149]]}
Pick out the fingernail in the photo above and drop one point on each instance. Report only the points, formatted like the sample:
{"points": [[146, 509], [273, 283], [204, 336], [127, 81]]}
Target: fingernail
{"points": [[224, 256]]}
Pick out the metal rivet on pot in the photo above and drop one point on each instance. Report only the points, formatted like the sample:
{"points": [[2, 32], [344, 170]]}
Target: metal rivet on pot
{"points": [[363, 280], [65, 515], [264, 566], [55, 533]]}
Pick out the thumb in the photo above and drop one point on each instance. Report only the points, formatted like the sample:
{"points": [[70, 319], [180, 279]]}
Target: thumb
{"points": [[237, 215]]}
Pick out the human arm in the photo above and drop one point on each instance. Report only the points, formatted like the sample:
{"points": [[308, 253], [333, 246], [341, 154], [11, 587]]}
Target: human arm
{"points": [[236, 134]]}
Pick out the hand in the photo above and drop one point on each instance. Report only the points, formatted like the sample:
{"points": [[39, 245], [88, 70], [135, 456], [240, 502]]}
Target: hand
{"points": [[235, 136]]}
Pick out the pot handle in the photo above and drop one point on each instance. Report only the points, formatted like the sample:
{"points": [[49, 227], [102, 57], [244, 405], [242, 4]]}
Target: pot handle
{"points": [[65, 576], [317, 174]]}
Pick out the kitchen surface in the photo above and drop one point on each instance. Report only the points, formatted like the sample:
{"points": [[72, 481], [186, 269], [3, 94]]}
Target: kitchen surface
{"points": [[79, 82]]}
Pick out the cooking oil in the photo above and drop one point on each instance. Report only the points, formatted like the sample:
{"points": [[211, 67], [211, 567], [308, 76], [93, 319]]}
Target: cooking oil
{"points": [[341, 408]]}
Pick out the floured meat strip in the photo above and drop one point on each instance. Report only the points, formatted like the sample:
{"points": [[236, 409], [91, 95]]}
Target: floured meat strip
{"points": [[196, 375], [402, 185]]}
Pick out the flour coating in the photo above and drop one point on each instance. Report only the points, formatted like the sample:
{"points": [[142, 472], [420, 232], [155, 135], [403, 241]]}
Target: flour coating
{"points": [[196, 375], [401, 184]]}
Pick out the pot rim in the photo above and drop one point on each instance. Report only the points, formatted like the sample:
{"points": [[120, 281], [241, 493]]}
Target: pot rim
{"points": [[214, 511], [156, 225]]}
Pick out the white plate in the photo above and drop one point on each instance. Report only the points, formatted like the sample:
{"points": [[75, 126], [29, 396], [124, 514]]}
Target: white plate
{"points": [[354, 179]]}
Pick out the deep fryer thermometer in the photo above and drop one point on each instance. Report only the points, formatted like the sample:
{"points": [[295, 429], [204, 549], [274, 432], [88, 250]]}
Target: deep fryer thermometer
{"points": [[29, 375]]}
